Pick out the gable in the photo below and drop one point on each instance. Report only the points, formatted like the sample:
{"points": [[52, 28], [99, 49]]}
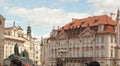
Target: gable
{"points": [[87, 33], [62, 35], [54, 33]]}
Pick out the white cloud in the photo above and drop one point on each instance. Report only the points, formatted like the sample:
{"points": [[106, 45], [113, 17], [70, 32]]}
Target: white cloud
{"points": [[105, 6], [68, 0], [1, 1], [45, 16]]}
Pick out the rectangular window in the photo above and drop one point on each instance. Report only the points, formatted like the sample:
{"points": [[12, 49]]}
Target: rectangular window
{"points": [[111, 53]]}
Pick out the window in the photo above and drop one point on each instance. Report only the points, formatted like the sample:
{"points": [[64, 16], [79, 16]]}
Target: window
{"points": [[83, 22], [36, 57], [37, 52], [115, 27], [96, 20], [111, 53], [102, 39], [9, 33], [100, 28], [112, 39]]}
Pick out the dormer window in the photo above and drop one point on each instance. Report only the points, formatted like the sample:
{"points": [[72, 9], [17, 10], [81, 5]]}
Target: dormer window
{"points": [[83, 22], [100, 27], [96, 20]]}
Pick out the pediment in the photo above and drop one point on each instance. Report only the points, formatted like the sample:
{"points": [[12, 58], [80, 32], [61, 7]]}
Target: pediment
{"points": [[62, 35], [53, 33], [87, 32]]}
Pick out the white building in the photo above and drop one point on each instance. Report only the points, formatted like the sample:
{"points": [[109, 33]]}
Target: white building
{"points": [[36, 54], [82, 41], [44, 55], [9, 36]]}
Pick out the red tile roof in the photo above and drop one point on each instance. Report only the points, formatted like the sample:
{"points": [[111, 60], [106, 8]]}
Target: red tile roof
{"points": [[74, 28], [92, 21]]}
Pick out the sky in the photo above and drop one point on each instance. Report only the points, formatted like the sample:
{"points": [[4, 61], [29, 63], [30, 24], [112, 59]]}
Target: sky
{"points": [[44, 15]]}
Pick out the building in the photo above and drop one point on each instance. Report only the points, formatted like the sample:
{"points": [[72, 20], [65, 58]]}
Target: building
{"points": [[13, 35], [2, 25], [44, 55], [9, 36], [36, 54], [84, 40]]}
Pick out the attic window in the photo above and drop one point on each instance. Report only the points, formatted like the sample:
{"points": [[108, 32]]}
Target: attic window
{"points": [[83, 22], [71, 23], [72, 27], [96, 20]]}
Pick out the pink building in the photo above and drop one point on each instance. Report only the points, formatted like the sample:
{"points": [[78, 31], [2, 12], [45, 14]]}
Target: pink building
{"points": [[82, 41]]}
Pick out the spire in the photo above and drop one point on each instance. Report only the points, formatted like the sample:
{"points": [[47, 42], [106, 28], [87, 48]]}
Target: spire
{"points": [[41, 41], [118, 15], [14, 24]]}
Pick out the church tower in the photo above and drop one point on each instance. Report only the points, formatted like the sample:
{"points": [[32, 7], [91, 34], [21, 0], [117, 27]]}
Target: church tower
{"points": [[2, 25]]}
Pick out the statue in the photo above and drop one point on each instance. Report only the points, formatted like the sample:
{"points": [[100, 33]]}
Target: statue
{"points": [[16, 50], [94, 63], [25, 54]]}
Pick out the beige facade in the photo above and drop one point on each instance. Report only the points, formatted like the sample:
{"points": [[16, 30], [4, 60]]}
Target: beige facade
{"points": [[82, 41], [13, 35], [44, 53], [36, 49], [2, 22], [9, 36]]}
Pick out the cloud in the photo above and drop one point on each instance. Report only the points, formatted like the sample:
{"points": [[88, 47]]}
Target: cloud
{"points": [[1, 1], [68, 0], [105, 6], [46, 17]]}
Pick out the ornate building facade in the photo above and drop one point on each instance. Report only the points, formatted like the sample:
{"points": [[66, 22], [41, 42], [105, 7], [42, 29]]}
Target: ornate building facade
{"points": [[36, 53], [13, 35], [82, 41], [9, 36], [44, 54]]}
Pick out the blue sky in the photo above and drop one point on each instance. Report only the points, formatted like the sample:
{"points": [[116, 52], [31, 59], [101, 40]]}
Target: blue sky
{"points": [[42, 15]]}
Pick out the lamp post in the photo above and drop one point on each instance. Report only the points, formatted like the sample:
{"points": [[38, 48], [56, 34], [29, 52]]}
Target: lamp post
{"points": [[61, 52]]}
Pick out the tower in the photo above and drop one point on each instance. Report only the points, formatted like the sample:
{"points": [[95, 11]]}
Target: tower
{"points": [[30, 42], [2, 22], [29, 30], [117, 48]]}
